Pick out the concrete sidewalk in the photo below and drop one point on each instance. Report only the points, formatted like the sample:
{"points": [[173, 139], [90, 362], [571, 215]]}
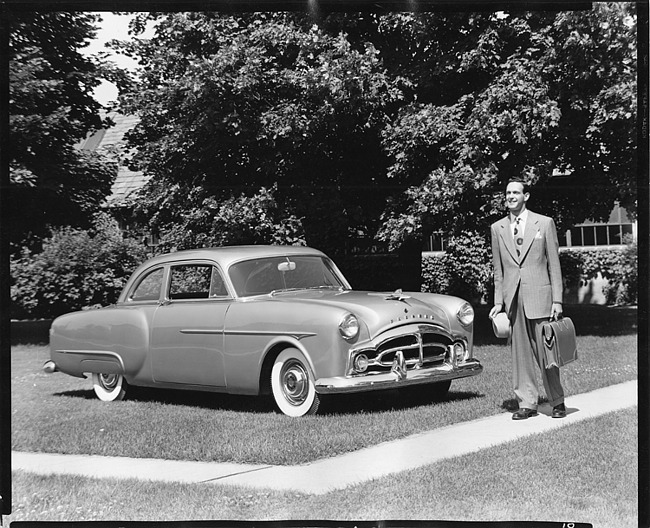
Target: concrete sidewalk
{"points": [[346, 470]]}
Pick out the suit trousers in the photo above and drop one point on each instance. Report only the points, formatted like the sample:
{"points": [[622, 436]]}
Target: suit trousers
{"points": [[526, 345]]}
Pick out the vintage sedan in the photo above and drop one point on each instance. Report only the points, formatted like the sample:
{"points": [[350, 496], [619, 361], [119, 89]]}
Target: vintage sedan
{"points": [[268, 320]]}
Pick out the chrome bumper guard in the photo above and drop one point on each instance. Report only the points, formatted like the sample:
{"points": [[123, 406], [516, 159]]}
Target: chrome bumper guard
{"points": [[397, 377], [49, 367]]}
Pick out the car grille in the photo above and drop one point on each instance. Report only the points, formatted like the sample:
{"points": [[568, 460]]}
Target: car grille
{"points": [[420, 350]]}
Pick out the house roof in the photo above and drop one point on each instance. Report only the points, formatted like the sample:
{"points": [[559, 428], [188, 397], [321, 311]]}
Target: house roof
{"points": [[111, 142]]}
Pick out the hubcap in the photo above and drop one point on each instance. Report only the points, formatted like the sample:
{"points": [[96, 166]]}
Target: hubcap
{"points": [[295, 383], [108, 381]]}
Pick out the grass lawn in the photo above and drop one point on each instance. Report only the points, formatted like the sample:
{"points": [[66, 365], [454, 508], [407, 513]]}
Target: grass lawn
{"points": [[58, 413], [586, 472], [579, 473]]}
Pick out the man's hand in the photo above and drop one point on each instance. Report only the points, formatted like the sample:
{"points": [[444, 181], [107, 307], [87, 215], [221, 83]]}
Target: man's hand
{"points": [[556, 311], [496, 309]]}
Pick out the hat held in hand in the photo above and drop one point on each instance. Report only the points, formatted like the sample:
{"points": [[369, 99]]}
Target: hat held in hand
{"points": [[501, 325]]}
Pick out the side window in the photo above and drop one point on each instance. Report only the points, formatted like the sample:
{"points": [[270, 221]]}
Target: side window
{"points": [[148, 289], [190, 281], [217, 285]]}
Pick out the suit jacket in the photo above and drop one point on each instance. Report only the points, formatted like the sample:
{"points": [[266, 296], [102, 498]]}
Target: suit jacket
{"points": [[537, 271]]}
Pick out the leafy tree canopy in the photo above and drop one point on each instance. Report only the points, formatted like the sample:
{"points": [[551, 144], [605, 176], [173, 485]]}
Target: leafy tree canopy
{"points": [[415, 119], [230, 105], [51, 110], [536, 94]]}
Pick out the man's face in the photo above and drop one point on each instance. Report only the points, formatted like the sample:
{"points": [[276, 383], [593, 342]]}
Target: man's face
{"points": [[515, 197]]}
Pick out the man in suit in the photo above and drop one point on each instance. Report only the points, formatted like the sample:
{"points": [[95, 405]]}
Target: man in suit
{"points": [[528, 287]]}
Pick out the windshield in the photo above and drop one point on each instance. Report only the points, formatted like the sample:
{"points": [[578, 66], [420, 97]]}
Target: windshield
{"points": [[266, 275]]}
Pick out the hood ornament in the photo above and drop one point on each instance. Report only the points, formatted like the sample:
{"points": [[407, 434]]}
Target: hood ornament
{"points": [[397, 295]]}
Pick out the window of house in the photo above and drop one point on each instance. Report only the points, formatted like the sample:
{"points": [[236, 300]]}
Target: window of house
{"points": [[436, 242], [597, 235]]}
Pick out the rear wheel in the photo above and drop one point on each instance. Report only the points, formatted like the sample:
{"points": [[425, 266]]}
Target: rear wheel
{"points": [[292, 384], [109, 387]]}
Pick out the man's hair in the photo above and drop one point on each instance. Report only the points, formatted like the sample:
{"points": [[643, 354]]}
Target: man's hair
{"points": [[523, 183]]}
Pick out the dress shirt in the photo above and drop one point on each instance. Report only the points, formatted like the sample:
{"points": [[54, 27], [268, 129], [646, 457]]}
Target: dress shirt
{"points": [[522, 223]]}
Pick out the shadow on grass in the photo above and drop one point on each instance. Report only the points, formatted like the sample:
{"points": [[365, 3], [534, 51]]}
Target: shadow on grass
{"points": [[378, 401], [205, 400], [387, 400]]}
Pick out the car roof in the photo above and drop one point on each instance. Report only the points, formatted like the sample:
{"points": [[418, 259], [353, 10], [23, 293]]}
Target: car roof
{"points": [[227, 255]]}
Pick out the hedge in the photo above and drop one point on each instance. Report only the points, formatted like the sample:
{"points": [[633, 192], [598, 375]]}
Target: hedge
{"points": [[79, 269], [444, 272]]}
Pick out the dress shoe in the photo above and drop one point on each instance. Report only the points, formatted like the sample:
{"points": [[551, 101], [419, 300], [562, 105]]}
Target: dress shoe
{"points": [[559, 411], [524, 413]]}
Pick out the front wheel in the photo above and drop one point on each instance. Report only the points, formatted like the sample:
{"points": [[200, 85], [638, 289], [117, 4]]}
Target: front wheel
{"points": [[292, 384], [109, 387]]}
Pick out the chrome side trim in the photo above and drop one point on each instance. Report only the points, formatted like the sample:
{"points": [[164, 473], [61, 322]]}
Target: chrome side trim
{"points": [[273, 333], [200, 331], [98, 353]]}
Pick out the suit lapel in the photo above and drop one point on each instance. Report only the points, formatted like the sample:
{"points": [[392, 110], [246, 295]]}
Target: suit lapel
{"points": [[506, 235], [532, 227]]}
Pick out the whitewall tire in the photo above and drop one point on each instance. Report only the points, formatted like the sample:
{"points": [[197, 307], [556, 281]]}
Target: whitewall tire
{"points": [[292, 384], [109, 387]]}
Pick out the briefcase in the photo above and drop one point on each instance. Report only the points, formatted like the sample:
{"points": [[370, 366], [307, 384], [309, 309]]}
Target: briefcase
{"points": [[559, 342]]}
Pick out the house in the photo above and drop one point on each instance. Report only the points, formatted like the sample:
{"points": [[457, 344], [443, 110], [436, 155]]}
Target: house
{"points": [[111, 142]]}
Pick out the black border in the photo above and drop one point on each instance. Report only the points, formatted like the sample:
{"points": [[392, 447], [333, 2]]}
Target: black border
{"points": [[318, 8]]}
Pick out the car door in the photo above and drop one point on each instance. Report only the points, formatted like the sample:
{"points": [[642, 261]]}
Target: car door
{"points": [[187, 332]]}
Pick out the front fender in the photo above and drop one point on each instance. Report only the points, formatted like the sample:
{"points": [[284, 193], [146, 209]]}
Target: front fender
{"points": [[256, 329]]}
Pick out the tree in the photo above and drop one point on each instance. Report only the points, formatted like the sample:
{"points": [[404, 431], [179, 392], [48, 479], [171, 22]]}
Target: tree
{"points": [[402, 122], [238, 220], [229, 105], [51, 110], [536, 94]]}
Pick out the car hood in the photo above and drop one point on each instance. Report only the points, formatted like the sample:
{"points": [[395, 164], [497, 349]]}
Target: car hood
{"points": [[378, 310]]}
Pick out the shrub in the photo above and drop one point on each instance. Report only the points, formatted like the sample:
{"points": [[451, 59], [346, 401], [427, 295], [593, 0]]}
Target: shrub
{"points": [[76, 269], [572, 265], [622, 276], [435, 278], [468, 266], [618, 266]]}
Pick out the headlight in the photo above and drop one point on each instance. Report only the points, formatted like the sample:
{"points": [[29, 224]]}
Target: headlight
{"points": [[349, 327], [465, 314]]}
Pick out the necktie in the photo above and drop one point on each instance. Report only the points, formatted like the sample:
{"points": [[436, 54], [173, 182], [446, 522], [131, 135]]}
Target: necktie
{"points": [[518, 240]]}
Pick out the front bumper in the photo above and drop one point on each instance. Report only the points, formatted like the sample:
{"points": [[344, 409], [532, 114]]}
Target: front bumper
{"points": [[397, 379]]}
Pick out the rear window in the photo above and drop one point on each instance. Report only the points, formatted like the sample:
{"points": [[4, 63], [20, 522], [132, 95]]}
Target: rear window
{"points": [[149, 288]]}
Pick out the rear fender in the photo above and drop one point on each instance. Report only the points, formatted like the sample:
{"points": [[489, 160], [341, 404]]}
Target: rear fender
{"points": [[110, 340]]}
